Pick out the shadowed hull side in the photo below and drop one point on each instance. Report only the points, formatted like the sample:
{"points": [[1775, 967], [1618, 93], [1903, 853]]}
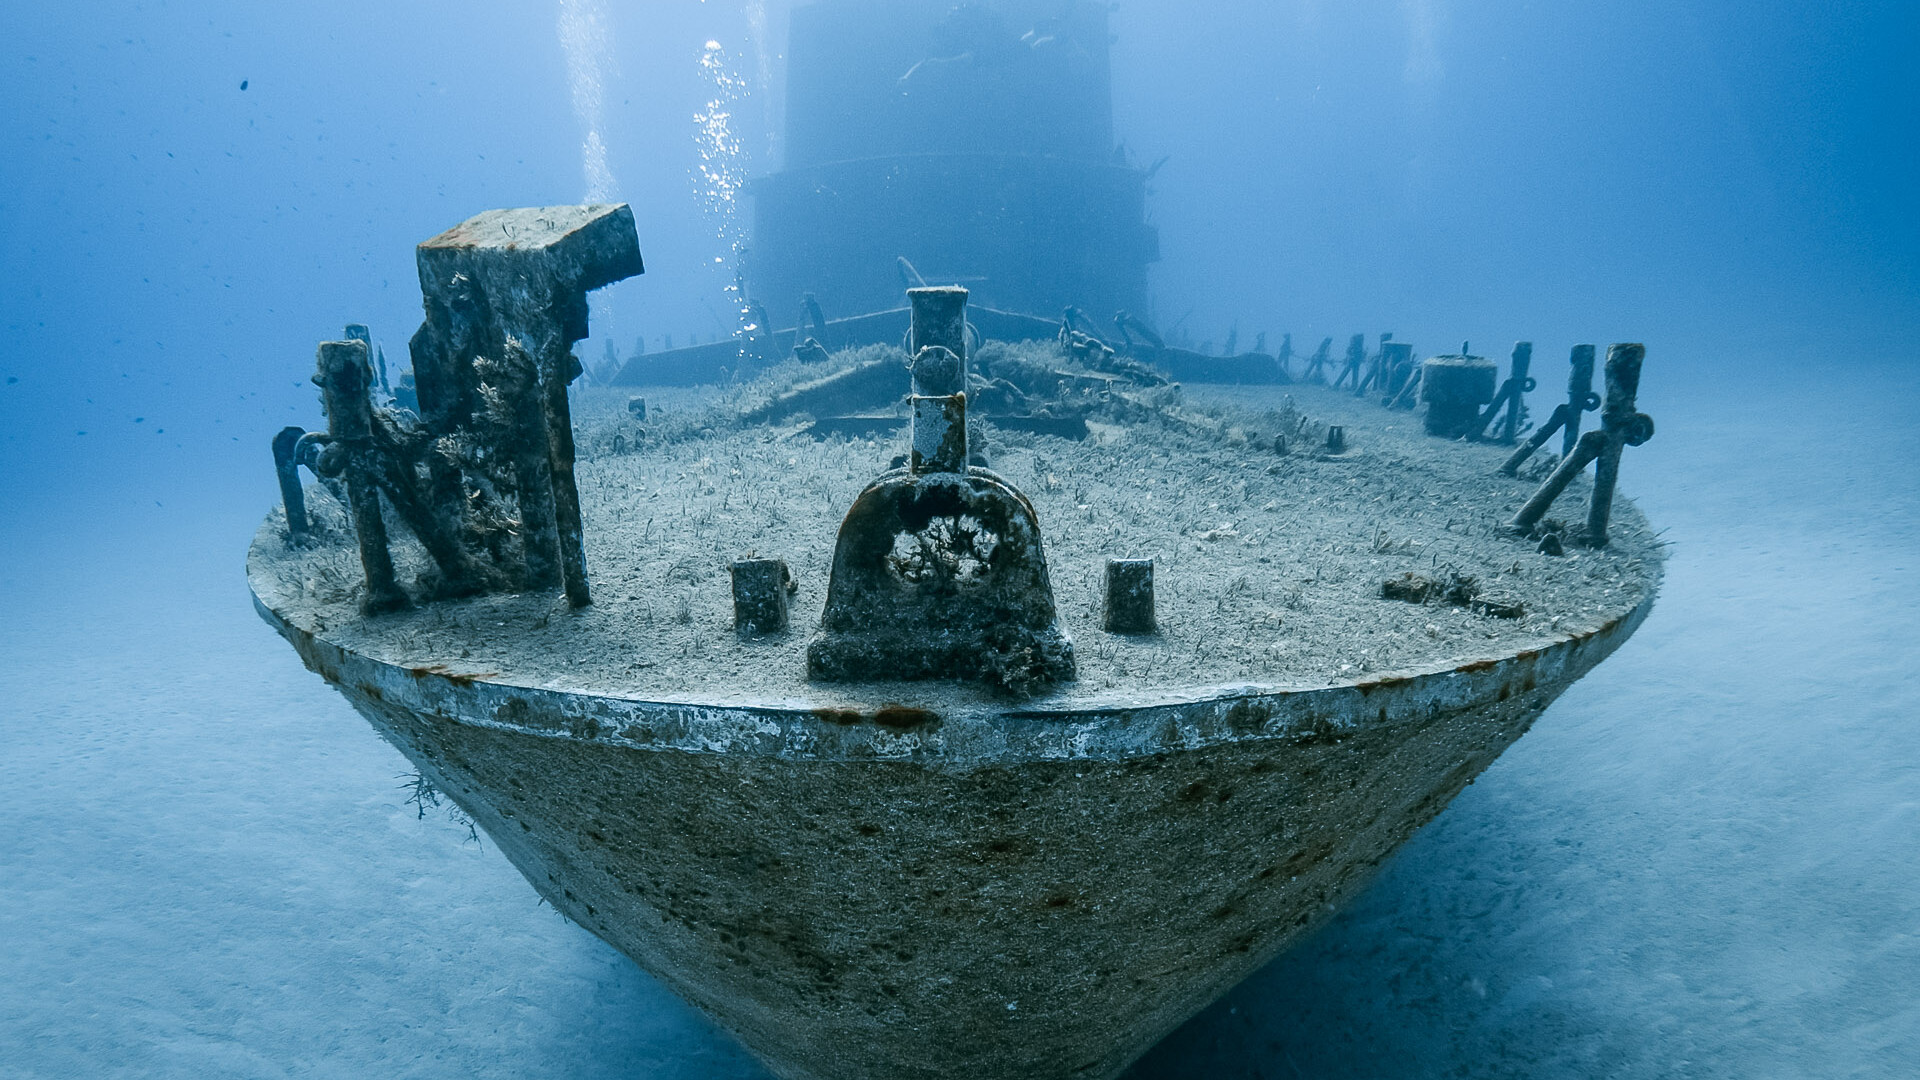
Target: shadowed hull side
{"points": [[1026, 894]]}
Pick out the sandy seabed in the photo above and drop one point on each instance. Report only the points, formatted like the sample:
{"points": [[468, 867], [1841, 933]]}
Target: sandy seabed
{"points": [[1699, 863]]}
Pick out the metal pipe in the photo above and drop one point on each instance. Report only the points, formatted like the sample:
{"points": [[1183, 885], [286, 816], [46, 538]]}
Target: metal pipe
{"points": [[1580, 395], [1588, 448], [1624, 426], [1511, 396], [287, 468], [569, 534], [939, 318], [1539, 439], [1621, 426]]}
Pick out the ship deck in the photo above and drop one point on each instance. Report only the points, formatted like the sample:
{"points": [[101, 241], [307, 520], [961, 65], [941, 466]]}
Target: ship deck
{"points": [[1269, 565]]}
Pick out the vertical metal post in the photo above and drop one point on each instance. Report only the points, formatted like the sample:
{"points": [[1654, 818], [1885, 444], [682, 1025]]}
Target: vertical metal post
{"points": [[287, 469], [342, 374], [1396, 367], [569, 535], [1621, 426], [1624, 426], [1590, 446], [1580, 395], [937, 342], [939, 318], [939, 415], [1518, 383], [817, 318]]}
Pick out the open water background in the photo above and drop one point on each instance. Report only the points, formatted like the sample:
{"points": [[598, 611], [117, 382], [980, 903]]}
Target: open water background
{"points": [[1701, 862]]}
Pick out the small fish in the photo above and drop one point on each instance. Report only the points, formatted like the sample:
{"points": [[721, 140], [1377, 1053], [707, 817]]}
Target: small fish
{"points": [[243, 84]]}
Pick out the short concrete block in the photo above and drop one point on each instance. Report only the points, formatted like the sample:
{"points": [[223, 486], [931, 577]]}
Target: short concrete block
{"points": [[760, 591], [1130, 597]]}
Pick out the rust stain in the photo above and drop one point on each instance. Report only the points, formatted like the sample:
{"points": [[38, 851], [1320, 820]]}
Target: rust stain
{"points": [[892, 715], [457, 678], [1371, 685], [1478, 665], [904, 717]]}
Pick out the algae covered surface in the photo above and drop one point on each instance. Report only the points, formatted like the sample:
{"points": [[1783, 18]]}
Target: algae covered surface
{"points": [[1269, 564]]}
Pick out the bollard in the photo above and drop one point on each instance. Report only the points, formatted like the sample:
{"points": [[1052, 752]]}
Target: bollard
{"points": [[1566, 416], [1129, 607], [1356, 356], [1512, 396], [1521, 384], [342, 374], [1580, 395], [760, 591], [1336, 439], [816, 318], [1624, 426], [286, 467], [1376, 369], [1409, 395], [1620, 427], [1584, 452], [637, 408], [1317, 363], [1396, 368]]}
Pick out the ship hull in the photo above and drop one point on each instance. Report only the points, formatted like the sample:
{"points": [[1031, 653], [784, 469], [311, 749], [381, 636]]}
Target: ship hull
{"points": [[1017, 893]]}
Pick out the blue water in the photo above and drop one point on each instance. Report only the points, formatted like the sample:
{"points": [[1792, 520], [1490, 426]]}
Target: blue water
{"points": [[1700, 863]]}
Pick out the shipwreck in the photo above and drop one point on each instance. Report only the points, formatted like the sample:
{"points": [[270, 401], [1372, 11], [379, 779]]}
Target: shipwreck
{"points": [[980, 697]]}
